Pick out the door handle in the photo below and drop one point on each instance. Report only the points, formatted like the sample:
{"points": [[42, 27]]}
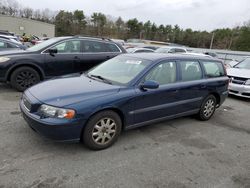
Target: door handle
{"points": [[203, 86], [108, 57]]}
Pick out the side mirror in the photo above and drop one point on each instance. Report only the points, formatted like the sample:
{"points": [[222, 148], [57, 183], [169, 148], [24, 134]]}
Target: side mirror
{"points": [[149, 84], [52, 51]]}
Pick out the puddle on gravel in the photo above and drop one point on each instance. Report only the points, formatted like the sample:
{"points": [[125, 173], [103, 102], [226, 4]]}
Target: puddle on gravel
{"points": [[227, 108]]}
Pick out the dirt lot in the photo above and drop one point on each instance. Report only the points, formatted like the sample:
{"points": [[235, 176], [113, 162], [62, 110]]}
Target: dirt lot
{"points": [[180, 153]]}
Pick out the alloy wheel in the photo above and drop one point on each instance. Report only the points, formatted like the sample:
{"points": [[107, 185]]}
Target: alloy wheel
{"points": [[209, 108], [104, 131], [26, 79]]}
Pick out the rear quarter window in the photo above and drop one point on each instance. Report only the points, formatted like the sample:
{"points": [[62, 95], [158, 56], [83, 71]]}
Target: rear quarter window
{"points": [[213, 69], [111, 48]]}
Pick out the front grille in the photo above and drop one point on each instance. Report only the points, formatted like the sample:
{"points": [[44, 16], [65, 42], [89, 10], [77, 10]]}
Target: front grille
{"points": [[26, 103], [238, 80]]}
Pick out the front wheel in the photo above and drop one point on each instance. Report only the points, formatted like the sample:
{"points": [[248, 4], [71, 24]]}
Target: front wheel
{"points": [[102, 130], [23, 78], [207, 108]]}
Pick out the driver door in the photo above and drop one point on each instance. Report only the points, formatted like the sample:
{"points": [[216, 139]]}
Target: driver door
{"points": [[64, 61], [153, 104]]}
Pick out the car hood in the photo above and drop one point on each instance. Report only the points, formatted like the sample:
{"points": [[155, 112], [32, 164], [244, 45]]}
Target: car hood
{"points": [[65, 91], [243, 73]]}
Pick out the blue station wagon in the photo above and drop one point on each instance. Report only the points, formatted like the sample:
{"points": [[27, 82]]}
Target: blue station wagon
{"points": [[125, 92]]}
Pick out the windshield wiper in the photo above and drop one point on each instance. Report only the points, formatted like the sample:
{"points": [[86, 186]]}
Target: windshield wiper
{"points": [[101, 78]]}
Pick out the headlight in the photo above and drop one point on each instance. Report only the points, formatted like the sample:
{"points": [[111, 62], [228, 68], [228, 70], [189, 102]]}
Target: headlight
{"points": [[50, 111], [247, 82], [4, 59]]}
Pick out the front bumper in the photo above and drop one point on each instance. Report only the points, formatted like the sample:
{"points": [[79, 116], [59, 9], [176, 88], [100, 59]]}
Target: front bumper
{"points": [[239, 90], [55, 129]]}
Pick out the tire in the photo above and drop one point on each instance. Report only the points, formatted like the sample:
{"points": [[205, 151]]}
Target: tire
{"points": [[207, 108], [23, 78], [102, 130]]}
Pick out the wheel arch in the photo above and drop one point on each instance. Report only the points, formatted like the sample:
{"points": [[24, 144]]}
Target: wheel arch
{"points": [[217, 96], [114, 109], [35, 67]]}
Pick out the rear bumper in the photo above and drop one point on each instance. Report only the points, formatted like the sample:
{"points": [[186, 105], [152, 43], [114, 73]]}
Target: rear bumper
{"points": [[58, 130], [223, 97], [239, 90]]}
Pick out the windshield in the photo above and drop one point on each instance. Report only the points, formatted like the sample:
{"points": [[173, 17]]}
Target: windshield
{"points": [[162, 50], [43, 44], [119, 70], [245, 64]]}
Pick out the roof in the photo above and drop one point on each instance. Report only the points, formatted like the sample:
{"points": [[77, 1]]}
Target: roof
{"points": [[86, 37], [161, 56]]}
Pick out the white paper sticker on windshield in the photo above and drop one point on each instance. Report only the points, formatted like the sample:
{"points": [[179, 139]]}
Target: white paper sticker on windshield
{"points": [[133, 62]]}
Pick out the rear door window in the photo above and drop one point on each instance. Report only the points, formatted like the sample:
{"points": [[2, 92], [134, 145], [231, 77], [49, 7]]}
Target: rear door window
{"points": [[93, 46], [164, 73], [213, 69], [190, 70]]}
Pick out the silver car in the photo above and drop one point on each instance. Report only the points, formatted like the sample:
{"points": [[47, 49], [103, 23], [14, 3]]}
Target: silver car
{"points": [[240, 79]]}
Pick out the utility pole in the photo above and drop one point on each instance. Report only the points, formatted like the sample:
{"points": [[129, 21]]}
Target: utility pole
{"points": [[212, 40]]}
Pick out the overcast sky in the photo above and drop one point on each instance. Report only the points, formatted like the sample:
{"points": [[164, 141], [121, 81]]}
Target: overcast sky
{"points": [[195, 14]]}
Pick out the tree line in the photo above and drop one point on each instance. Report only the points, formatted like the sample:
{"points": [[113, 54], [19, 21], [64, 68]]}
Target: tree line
{"points": [[99, 24]]}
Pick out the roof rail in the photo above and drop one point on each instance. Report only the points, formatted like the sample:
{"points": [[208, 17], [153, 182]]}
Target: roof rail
{"points": [[103, 38]]}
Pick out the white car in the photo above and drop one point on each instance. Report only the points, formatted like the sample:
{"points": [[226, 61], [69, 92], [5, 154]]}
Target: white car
{"points": [[171, 49], [139, 50], [197, 54], [11, 38], [240, 79]]}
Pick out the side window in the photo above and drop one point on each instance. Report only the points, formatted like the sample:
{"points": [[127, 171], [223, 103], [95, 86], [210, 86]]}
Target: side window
{"points": [[163, 73], [71, 46], [144, 51], [93, 46], [190, 70], [9, 45], [2, 45], [178, 50], [172, 50], [213, 69], [111, 48]]}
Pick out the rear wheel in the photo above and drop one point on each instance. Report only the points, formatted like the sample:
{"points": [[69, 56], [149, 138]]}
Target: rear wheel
{"points": [[102, 130], [207, 108], [24, 77]]}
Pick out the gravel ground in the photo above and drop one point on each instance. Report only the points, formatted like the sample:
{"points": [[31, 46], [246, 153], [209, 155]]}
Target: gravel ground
{"points": [[180, 153]]}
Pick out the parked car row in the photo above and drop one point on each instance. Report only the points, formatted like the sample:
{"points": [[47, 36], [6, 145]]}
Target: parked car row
{"points": [[6, 45]]}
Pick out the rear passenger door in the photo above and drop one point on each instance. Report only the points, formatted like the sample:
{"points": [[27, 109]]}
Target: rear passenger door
{"points": [[94, 53], [192, 85]]}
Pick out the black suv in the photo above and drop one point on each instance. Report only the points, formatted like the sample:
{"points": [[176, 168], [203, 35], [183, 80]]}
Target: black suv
{"points": [[55, 57]]}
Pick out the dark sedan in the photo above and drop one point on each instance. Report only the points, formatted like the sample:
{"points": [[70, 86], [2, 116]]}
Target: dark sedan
{"points": [[125, 92], [55, 57]]}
